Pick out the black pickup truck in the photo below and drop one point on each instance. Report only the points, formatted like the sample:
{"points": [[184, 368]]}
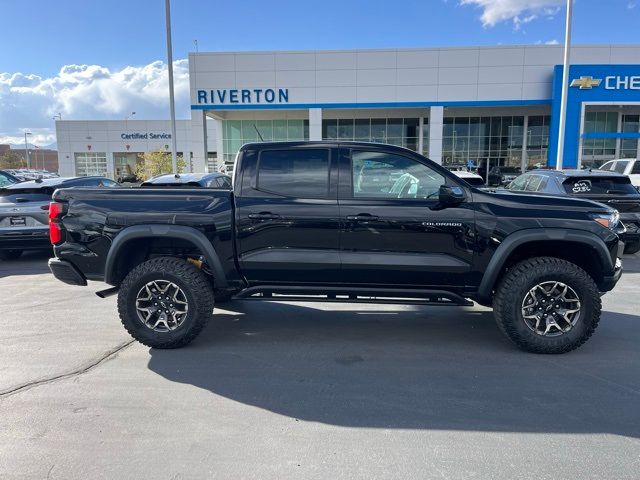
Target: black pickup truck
{"points": [[342, 222]]}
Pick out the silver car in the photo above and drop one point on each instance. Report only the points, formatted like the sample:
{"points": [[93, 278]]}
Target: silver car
{"points": [[24, 212]]}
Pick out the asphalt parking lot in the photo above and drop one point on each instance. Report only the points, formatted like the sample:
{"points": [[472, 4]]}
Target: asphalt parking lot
{"points": [[309, 390]]}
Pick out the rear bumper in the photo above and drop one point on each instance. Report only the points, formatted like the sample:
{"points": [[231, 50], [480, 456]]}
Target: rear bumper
{"points": [[66, 272], [26, 239]]}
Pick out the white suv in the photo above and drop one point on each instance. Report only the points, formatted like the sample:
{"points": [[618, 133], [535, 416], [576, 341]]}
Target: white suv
{"points": [[625, 166]]}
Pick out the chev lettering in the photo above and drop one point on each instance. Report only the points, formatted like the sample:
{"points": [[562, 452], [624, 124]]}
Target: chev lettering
{"points": [[622, 82], [243, 96]]}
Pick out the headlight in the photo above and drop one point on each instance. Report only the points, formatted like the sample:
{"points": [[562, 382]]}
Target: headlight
{"points": [[609, 220]]}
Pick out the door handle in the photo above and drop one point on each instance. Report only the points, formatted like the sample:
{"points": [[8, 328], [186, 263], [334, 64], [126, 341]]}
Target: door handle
{"points": [[363, 217], [264, 216]]}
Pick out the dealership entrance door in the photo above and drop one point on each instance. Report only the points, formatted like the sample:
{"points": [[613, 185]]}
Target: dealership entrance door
{"points": [[609, 132]]}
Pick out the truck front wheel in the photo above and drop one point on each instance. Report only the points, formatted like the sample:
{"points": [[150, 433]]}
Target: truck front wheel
{"points": [[547, 305], [165, 302]]}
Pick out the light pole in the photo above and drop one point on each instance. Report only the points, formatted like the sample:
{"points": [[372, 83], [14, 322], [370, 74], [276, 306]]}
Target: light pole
{"points": [[172, 104], [565, 86], [26, 149]]}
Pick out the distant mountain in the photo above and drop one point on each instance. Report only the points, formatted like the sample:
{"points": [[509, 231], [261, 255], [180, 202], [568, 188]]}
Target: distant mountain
{"points": [[20, 146]]}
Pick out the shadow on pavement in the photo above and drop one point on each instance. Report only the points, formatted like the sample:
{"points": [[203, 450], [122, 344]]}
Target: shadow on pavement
{"points": [[30, 263], [445, 368]]}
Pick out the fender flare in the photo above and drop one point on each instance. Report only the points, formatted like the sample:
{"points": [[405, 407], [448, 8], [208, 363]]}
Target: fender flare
{"points": [[513, 241], [190, 234]]}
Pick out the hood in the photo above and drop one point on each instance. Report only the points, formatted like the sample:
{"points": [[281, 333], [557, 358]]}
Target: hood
{"points": [[549, 202]]}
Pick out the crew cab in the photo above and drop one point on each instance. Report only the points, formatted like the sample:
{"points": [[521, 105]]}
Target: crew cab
{"points": [[340, 222]]}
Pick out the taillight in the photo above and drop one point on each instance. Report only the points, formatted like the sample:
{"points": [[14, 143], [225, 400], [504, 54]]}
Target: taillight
{"points": [[55, 210], [55, 228]]}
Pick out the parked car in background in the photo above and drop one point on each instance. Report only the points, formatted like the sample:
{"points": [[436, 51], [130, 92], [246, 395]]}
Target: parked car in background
{"points": [[7, 179], [501, 176], [610, 188], [24, 209], [626, 166], [205, 180], [470, 177]]}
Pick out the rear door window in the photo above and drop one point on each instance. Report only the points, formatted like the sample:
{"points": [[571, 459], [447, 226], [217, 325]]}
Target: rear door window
{"points": [[636, 167], [599, 186], [298, 173]]}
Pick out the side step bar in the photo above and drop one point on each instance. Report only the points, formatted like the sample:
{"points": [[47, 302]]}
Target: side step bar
{"points": [[279, 293]]}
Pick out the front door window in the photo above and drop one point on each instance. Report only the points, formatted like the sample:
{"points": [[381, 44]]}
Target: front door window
{"points": [[377, 175]]}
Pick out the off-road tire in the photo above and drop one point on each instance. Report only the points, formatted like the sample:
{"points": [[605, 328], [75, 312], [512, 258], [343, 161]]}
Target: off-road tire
{"points": [[10, 254], [193, 283], [516, 283], [632, 248]]}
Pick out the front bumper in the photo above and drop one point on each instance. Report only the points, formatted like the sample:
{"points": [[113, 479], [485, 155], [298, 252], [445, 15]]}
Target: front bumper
{"points": [[66, 272], [25, 239], [609, 281]]}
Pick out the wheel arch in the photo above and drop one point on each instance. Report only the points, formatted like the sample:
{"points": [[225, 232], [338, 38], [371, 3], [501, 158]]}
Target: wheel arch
{"points": [[576, 246], [137, 234]]}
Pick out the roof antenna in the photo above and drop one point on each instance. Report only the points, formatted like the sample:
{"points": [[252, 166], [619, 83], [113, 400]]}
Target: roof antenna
{"points": [[258, 132]]}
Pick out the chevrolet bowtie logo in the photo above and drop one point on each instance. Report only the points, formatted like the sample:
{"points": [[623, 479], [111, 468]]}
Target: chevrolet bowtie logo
{"points": [[586, 83]]}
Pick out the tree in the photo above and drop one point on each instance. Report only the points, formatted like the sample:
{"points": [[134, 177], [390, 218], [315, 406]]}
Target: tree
{"points": [[11, 159], [155, 163]]}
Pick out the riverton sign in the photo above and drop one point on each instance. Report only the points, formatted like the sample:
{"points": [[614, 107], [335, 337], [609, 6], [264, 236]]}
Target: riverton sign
{"points": [[246, 96]]}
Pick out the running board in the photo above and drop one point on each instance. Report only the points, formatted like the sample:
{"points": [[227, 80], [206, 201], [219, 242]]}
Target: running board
{"points": [[279, 293]]}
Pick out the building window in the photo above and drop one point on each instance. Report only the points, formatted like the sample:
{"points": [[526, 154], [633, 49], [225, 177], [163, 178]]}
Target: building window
{"points": [[125, 165], [236, 133], [91, 163], [395, 131], [629, 146], [538, 141], [496, 141], [596, 151]]}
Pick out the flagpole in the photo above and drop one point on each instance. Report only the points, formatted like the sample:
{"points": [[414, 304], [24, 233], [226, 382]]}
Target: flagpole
{"points": [[565, 86], [172, 103]]}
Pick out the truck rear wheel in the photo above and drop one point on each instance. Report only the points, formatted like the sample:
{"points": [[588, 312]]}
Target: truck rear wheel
{"points": [[165, 302], [547, 305]]}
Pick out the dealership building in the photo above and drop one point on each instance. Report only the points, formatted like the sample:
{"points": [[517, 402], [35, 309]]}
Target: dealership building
{"points": [[471, 106]]}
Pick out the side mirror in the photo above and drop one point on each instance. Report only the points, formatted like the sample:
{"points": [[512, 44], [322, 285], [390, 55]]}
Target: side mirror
{"points": [[450, 196]]}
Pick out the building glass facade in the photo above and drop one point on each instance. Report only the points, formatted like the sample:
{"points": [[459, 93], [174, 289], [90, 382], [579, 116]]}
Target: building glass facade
{"points": [[496, 141], [629, 146], [537, 141], [596, 151], [236, 133], [403, 132]]}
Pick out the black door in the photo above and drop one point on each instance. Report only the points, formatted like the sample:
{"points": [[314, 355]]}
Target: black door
{"points": [[288, 223], [391, 236]]}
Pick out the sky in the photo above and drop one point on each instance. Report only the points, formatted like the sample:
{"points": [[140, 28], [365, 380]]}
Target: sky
{"points": [[88, 59]]}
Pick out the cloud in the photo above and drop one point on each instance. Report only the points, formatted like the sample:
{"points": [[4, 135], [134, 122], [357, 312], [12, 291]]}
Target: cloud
{"points": [[517, 11], [28, 102]]}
